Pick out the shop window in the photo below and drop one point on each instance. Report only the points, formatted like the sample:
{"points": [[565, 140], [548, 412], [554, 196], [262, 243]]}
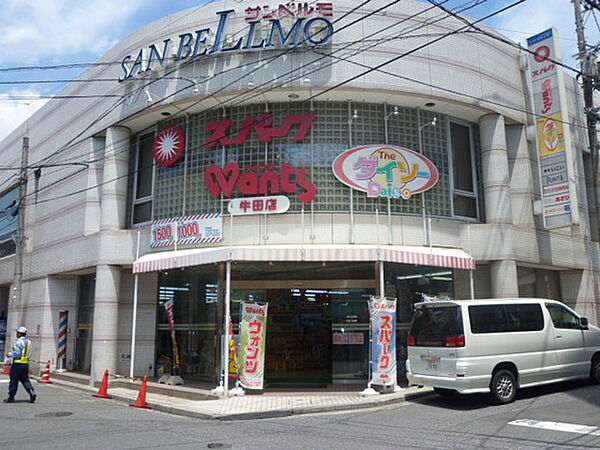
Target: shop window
{"points": [[144, 179], [464, 194]]}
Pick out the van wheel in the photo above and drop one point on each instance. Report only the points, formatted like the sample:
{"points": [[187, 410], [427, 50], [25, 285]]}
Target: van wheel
{"points": [[445, 392], [595, 371], [503, 387]]}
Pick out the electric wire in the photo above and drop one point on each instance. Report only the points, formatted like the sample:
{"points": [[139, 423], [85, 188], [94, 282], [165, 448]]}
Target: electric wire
{"points": [[371, 69]]}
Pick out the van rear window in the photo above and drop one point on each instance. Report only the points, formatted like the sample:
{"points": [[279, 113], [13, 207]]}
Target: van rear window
{"points": [[432, 326], [506, 318]]}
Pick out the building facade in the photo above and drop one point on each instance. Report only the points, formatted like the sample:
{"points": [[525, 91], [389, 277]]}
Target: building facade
{"points": [[242, 116]]}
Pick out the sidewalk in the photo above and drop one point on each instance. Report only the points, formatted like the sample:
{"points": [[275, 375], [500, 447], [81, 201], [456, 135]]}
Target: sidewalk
{"points": [[254, 406]]}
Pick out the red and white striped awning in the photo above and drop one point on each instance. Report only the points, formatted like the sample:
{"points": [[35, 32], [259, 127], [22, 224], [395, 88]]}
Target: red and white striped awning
{"points": [[422, 256]]}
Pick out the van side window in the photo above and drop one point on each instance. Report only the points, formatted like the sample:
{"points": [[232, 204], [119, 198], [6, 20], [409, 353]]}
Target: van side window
{"points": [[562, 317], [488, 319], [525, 317], [506, 318]]}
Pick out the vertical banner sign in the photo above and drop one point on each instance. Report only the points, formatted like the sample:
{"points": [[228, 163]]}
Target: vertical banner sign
{"points": [[383, 345], [2, 334], [169, 308], [559, 201], [233, 361], [61, 356], [253, 333]]}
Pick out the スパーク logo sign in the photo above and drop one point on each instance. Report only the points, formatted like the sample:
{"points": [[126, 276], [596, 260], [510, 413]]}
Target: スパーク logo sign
{"points": [[385, 171], [169, 145], [220, 133], [225, 180]]}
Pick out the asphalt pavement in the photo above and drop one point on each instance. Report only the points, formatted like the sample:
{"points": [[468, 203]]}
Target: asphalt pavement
{"points": [[566, 415]]}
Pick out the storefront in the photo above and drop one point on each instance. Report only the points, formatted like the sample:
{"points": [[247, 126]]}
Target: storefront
{"points": [[239, 153]]}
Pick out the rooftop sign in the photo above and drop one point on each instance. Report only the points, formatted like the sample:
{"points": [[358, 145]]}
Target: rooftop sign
{"points": [[307, 24]]}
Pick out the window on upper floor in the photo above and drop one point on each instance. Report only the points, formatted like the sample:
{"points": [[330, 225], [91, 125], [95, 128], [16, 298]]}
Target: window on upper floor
{"points": [[464, 188], [143, 186]]}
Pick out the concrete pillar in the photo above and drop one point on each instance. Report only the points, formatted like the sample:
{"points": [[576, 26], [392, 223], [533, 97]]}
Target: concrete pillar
{"points": [[106, 321], [504, 279], [521, 175], [494, 161], [114, 177]]}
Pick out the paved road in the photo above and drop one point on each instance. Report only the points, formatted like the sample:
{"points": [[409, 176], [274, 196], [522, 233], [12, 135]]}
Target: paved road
{"points": [[428, 422]]}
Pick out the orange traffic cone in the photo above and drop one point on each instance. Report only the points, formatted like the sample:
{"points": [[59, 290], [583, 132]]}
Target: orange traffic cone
{"points": [[103, 391], [6, 369], [141, 398], [46, 375]]}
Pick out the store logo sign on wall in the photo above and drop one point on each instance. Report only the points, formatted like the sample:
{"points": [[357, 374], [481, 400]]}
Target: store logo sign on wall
{"points": [[259, 180], [263, 126], [311, 25], [385, 171], [169, 145]]}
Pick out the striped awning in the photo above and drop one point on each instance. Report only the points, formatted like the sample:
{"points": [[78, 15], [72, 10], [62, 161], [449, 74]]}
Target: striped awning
{"points": [[422, 256]]}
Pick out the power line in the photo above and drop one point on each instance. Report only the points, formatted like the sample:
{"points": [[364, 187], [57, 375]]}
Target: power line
{"points": [[371, 69]]}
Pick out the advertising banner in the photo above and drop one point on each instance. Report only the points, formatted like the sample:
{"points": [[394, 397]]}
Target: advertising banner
{"points": [[169, 308], [187, 230], [383, 345], [559, 204], [253, 333], [2, 334]]}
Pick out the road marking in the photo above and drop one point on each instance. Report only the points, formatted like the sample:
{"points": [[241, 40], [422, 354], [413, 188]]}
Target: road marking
{"points": [[4, 381], [557, 426]]}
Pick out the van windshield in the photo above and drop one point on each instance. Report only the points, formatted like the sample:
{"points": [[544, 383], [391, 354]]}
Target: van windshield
{"points": [[432, 325]]}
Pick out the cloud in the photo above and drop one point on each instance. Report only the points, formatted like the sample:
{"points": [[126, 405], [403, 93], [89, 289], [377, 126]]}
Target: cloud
{"points": [[534, 16], [32, 31], [13, 113]]}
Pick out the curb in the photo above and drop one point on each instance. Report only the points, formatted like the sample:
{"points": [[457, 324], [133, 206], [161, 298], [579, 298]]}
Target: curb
{"points": [[270, 414]]}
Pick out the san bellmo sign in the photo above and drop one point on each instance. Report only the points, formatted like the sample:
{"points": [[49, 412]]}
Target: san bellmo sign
{"points": [[303, 22]]}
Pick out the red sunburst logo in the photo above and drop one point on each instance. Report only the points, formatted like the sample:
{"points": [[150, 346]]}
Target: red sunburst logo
{"points": [[169, 145]]}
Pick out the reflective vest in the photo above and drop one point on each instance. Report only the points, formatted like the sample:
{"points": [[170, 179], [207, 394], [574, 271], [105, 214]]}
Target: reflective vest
{"points": [[25, 352]]}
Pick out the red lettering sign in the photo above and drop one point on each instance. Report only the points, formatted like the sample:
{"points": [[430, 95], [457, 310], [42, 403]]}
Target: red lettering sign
{"points": [[220, 130], [224, 181]]}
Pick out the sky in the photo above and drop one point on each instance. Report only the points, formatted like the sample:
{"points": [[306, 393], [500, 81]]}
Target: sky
{"points": [[47, 32]]}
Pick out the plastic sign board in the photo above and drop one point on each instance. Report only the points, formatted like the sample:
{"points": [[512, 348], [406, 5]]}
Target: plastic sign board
{"points": [[202, 228], [385, 171], [383, 344], [253, 334], [287, 25], [276, 204], [169, 145], [559, 205]]}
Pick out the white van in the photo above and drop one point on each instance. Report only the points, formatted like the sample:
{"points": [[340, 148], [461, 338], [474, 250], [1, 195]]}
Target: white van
{"points": [[499, 346]]}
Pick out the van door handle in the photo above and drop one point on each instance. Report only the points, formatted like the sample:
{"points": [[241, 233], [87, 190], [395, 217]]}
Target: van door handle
{"points": [[559, 335]]}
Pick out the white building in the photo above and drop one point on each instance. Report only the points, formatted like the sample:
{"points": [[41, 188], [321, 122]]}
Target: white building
{"points": [[350, 77]]}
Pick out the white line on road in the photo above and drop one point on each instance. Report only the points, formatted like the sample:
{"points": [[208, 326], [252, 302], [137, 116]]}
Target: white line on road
{"points": [[4, 381], [557, 426]]}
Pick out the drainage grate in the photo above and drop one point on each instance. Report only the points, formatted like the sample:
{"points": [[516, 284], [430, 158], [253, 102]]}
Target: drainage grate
{"points": [[54, 414], [218, 445]]}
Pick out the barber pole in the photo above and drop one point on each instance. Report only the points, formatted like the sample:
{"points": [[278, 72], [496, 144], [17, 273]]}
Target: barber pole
{"points": [[61, 357]]}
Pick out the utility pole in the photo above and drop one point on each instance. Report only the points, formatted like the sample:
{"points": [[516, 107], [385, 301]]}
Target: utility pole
{"points": [[17, 298], [589, 74]]}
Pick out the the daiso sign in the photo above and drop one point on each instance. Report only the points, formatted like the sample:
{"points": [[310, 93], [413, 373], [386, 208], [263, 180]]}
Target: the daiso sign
{"points": [[303, 23], [385, 171]]}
